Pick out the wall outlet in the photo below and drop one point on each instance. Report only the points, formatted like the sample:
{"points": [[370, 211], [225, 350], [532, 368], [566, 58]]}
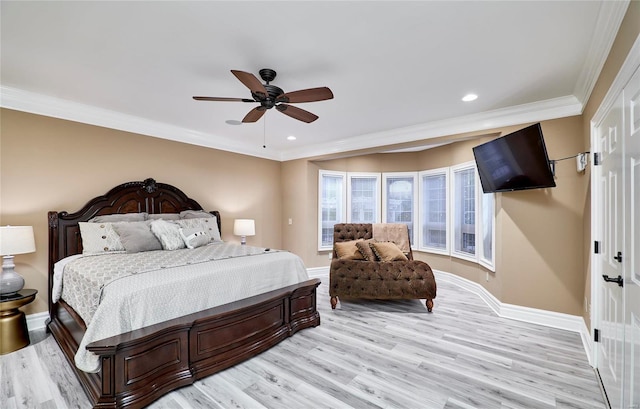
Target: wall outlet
{"points": [[290, 221], [487, 276]]}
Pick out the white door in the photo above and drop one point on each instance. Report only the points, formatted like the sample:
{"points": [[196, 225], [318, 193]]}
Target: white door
{"points": [[631, 388], [610, 361]]}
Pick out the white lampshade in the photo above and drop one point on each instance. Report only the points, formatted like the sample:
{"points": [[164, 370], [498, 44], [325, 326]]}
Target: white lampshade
{"points": [[244, 227], [16, 240]]}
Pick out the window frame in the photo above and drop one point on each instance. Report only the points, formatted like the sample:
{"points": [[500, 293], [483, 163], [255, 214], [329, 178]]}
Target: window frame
{"points": [[473, 257], [481, 228], [414, 200], [342, 216], [378, 194], [422, 246]]}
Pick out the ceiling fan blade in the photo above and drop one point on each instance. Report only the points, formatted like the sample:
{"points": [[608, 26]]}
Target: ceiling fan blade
{"points": [[223, 99], [251, 82], [306, 95], [297, 113], [254, 114]]}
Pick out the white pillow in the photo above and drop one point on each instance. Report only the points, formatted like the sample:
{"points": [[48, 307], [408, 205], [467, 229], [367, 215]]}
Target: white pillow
{"points": [[208, 224], [195, 237], [168, 233], [99, 238], [137, 236]]}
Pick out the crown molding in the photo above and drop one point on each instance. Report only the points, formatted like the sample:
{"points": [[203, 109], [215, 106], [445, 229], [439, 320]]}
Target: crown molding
{"points": [[628, 68], [520, 114], [607, 25], [20, 100]]}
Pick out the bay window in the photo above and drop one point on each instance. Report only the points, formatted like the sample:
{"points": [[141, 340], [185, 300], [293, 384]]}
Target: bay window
{"points": [[445, 209]]}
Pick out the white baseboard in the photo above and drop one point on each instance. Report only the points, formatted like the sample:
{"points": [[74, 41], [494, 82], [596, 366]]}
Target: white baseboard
{"points": [[37, 321], [318, 272], [567, 322]]}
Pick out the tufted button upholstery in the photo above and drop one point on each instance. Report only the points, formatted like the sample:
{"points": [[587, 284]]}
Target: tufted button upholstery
{"points": [[411, 279], [381, 280], [351, 231]]}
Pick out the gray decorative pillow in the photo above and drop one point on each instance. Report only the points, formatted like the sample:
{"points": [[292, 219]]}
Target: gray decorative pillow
{"points": [[168, 233], [194, 238], [163, 216], [120, 217], [137, 237], [99, 238], [208, 224]]}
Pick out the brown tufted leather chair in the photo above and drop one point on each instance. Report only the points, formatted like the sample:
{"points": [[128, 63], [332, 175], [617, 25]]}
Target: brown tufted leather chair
{"points": [[375, 279]]}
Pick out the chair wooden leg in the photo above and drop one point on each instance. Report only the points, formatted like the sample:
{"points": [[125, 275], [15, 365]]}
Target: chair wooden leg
{"points": [[334, 302], [429, 305]]}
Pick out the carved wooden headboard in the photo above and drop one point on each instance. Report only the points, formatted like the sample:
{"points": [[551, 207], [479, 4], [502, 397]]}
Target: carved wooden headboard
{"points": [[131, 197]]}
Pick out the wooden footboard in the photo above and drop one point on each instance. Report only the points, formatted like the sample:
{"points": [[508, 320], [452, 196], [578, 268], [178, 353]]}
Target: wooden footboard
{"points": [[140, 366]]}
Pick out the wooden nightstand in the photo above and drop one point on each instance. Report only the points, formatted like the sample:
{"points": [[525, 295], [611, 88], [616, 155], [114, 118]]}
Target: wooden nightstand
{"points": [[13, 324]]}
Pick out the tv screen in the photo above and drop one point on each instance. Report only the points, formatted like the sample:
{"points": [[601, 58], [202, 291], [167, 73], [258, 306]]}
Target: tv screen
{"points": [[515, 161]]}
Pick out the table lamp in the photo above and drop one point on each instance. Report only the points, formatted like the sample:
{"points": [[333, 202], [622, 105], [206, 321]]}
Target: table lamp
{"points": [[244, 228], [13, 240]]}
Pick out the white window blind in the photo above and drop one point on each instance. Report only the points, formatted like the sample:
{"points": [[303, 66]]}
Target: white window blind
{"points": [[400, 200], [331, 193], [363, 198], [464, 211], [434, 210]]}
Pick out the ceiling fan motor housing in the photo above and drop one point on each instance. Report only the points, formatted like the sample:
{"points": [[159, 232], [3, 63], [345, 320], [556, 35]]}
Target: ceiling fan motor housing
{"points": [[267, 75], [272, 93]]}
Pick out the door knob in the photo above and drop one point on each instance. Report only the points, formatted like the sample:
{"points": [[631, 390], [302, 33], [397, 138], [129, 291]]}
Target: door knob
{"points": [[618, 257], [618, 280]]}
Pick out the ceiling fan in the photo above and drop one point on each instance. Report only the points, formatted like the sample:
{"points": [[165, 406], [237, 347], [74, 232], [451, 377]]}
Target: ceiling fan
{"points": [[269, 96]]}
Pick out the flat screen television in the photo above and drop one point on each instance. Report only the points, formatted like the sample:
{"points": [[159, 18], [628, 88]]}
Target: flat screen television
{"points": [[516, 161]]}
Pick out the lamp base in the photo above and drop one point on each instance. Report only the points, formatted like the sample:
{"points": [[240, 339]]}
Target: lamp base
{"points": [[10, 281], [243, 240]]}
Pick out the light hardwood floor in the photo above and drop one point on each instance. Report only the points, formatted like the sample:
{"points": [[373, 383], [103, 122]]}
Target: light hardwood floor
{"points": [[365, 354]]}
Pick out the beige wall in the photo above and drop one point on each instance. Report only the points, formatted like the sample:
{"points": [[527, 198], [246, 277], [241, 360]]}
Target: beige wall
{"points": [[50, 164], [538, 233]]}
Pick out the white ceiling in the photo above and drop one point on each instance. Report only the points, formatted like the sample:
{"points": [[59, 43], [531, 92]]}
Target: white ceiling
{"points": [[398, 70]]}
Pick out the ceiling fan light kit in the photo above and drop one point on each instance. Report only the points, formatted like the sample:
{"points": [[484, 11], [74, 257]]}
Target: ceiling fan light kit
{"points": [[269, 96]]}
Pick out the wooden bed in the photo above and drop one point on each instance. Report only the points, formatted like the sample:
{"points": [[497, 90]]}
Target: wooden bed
{"points": [[140, 366]]}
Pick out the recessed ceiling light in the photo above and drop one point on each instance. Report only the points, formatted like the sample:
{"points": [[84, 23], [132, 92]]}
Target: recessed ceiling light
{"points": [[469, 97], [291, 138], [233, 122]]}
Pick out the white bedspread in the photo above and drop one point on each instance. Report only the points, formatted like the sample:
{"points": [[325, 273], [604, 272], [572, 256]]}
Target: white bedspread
{"points": [[148, 298]]}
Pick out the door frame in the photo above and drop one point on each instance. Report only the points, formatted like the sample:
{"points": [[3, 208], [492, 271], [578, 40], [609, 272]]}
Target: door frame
{"points": [[628, 68]]}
